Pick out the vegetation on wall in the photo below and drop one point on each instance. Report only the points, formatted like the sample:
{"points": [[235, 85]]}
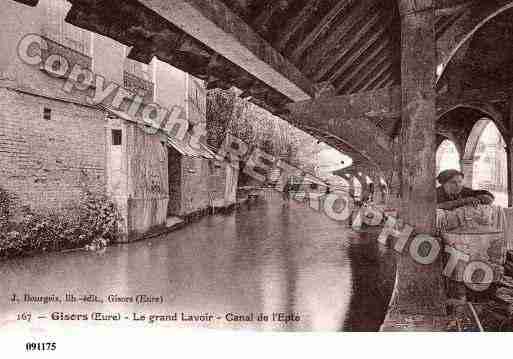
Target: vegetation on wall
{"points": [[92, 223], [6, 205], [227, 113]]}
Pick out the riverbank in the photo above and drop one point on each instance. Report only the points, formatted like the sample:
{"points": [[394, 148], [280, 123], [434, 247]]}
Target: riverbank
{"points": [[91, 224]]}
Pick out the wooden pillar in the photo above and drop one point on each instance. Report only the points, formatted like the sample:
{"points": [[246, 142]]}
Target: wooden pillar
{"points": [[509, 153], [418, 286], [376, 179], [393, 176], [509, 158]]}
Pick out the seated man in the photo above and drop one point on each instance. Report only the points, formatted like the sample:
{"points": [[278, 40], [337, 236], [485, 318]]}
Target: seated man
{"points": [[452, 194]]}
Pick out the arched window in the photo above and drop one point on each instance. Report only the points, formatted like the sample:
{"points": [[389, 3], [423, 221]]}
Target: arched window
{"points": [[490, 164], [447, 157]]}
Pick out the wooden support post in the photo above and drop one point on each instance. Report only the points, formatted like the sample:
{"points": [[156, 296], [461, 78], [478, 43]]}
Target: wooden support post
{"points": [[393, 176], [375, 176], [419, 287], [509, 158], [509, 152]]}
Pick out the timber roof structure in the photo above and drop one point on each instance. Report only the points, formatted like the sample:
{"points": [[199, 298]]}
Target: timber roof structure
{"points": [[290, 56]]}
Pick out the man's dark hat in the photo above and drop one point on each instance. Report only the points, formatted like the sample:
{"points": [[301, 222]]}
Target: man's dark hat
{"points": [[447, 175]]}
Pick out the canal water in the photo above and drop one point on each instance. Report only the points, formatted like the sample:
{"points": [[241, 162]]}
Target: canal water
{"points": [[290, 267]]}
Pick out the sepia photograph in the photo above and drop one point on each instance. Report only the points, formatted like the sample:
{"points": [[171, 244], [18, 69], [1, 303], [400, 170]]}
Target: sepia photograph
{"points": [[174, 168]]}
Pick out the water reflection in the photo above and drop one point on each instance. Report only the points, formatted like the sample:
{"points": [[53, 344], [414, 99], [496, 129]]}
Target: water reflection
{"points": [[268, 258]]}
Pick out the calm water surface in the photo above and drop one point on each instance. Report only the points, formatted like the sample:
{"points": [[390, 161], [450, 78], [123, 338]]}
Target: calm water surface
{"points": [[266, 258]]}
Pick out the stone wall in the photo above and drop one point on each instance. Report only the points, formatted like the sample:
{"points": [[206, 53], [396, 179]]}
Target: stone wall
{"points": [[195, 183], [223, 181], [217, 182], [48, 162], [137, 168]]}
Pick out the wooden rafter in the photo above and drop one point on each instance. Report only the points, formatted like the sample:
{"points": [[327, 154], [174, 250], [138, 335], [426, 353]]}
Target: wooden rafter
{"points": [[321, 28], [390, 82], [295, 24], [238, 8], [220, 29], [445, 23], [336, 36], [389, 78], [371, 84], [332, 61], [450, 10], [261, 21], [363, 64], [361, 50], [365, 77]]}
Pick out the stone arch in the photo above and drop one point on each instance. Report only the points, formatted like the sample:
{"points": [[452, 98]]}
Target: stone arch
{"points": [[473, 138], [487, 110], [440, 165], [488, 113], [469, 159], [466, 37], [447, 139], [442, 137]]}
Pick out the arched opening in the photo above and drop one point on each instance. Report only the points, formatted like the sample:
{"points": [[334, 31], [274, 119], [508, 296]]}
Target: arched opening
{"points": [[447, 157], [490, 169], [481, 63], [474, 138], [478, 133]]}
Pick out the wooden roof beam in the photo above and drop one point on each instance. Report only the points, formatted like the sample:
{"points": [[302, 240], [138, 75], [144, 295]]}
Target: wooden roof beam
{"points": [[442, 25], [357, 54], [332, 61], [216, 26], [293, 26], [261, 21], [445, 10], [363, 64], [388, 79], [351, 119], [371, 104], [372, 83], [321, 28], [337, 35], [367, 74], [390, 82]]}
